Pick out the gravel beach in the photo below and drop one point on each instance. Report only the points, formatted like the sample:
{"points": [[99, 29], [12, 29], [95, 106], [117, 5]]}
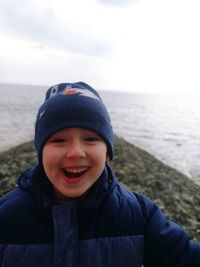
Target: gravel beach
{"points": [[175, 193]]}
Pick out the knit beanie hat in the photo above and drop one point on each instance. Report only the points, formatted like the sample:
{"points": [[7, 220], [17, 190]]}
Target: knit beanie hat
{"points": [[72, 105]]}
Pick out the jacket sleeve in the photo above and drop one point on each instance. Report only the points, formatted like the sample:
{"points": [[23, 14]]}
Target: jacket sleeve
{"points": [[166, 243]]}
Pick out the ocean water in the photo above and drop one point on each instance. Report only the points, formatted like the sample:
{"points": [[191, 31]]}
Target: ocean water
{"points": [[167, 127]]}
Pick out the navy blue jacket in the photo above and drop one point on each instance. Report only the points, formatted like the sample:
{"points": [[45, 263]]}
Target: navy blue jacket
{"points": [[107, 227]]}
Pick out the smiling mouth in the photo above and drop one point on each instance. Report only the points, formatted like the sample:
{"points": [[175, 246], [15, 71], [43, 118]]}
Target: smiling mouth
{"points": [[74, 173]]}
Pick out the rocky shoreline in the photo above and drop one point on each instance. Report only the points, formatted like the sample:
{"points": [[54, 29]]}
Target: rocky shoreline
{"points": [[174, 192]]}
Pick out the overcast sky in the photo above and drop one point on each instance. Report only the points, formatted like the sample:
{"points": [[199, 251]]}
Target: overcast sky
{"points": [[130, 45]]}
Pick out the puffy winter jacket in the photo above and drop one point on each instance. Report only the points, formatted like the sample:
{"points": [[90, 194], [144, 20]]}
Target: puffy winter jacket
{"points": [[108, 227]]}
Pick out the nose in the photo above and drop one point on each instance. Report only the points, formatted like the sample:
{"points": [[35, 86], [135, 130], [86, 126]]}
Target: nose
{"points": [[75, 150]]}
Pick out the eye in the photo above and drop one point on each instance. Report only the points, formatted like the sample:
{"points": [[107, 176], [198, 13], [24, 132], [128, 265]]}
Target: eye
{"points": [[57, 140], [92, 139], [54, 90]]}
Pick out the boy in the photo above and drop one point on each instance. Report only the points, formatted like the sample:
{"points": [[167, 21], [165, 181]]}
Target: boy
{"points": [[69, 209]]}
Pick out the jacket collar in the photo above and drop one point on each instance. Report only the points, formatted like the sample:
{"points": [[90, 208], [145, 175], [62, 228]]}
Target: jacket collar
{"points": [[36, 182]]}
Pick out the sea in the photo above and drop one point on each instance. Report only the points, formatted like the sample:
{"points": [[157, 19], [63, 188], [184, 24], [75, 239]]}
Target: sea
{"points": [[166, 126]]}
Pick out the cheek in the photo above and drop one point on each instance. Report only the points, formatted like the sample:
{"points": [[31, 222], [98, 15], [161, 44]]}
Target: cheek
{"points": [[101, 156], [48, 158]]}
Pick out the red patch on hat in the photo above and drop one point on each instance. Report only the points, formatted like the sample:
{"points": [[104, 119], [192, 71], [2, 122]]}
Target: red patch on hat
{"points": [[70, 92]]}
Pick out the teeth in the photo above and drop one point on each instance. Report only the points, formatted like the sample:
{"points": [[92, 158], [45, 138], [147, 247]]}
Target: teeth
{"points": [[76, 170]]}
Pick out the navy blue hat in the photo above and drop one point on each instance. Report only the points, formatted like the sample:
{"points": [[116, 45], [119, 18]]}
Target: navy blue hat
{"points": [[72, 105]]}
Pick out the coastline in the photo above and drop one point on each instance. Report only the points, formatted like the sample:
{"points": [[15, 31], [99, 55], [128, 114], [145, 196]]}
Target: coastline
{"points": [[176, 194]]}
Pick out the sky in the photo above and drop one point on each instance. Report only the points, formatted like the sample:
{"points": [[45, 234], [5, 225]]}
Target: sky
{"points": [[125, 45]]}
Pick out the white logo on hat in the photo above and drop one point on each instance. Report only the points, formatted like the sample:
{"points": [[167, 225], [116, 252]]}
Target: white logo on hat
{"points": [[54, 90], [41, 114]]}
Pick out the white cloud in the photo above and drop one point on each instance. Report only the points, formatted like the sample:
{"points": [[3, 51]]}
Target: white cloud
{"points": [[117, 3], [136, 45], [42, 23]]}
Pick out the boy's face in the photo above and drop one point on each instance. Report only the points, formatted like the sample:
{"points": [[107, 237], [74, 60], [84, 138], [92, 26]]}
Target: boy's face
{"points": [[73, 160]]}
